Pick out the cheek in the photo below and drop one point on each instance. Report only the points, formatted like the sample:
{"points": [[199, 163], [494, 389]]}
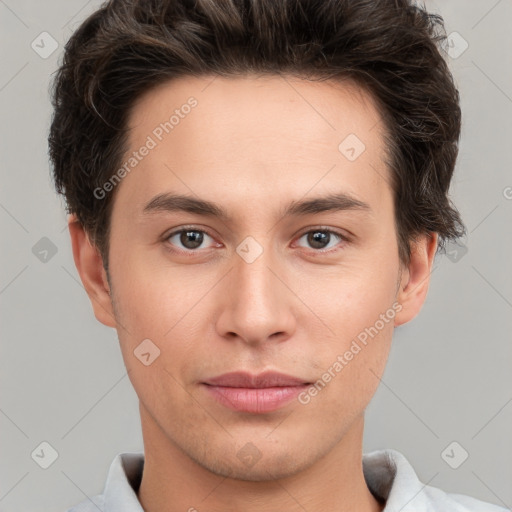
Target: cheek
{"points": [[357, 307], [351, 297], [160, 303], [150, 298], [352, 364]]}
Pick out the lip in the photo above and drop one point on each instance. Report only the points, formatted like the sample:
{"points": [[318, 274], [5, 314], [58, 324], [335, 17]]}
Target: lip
{"points": [[267, 379], [265, 392]]}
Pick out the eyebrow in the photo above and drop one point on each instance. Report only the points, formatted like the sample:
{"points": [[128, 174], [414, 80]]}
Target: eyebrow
{"points": [[168, 202]]}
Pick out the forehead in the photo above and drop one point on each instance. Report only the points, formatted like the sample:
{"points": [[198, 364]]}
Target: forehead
{"points": [[254, 104], [265, 135]]}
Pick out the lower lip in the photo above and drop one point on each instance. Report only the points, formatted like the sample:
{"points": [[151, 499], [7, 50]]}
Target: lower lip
{"points": [[255, 400]]}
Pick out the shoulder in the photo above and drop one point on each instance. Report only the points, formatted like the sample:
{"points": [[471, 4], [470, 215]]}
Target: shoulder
{"points": [[390, 476], [452, 502], [93, 504], [119, 493]]}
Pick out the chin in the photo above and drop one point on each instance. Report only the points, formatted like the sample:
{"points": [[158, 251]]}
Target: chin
{"points": [[251, 465]]}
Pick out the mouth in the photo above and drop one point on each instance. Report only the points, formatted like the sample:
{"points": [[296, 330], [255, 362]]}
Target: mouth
{"points": [[244, 392]]}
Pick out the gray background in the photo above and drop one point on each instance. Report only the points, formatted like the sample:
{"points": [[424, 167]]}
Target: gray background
{"points": [[63, 380]]}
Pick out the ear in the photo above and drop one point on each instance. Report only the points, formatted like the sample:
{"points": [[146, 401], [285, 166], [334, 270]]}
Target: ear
{"points": [[416, 278], [89, 264]]}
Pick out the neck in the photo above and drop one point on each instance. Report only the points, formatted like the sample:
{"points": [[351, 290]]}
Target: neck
{"points": [[173, 482]]}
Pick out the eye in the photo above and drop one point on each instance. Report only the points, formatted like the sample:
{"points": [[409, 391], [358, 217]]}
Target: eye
{"points": [[320, 238], [189, 238]]}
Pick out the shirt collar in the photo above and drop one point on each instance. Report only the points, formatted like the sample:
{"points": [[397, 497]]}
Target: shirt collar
{"points": [[390, 476], [123, 481]]}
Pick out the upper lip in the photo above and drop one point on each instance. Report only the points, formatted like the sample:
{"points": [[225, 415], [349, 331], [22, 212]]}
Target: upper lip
{"points": [[267, 379]]}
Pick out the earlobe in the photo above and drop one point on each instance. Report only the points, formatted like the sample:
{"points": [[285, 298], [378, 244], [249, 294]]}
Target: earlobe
{"points": [[89, 264], [416, 278]]}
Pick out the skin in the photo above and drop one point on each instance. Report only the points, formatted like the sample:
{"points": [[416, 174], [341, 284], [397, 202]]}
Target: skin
{"points": [[252, 145]]}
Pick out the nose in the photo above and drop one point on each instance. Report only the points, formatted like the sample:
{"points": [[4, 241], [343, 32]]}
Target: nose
{"points": [[257, 304]]}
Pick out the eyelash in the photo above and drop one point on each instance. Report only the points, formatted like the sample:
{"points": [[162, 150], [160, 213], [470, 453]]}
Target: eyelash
{"points": [[193, 252]]}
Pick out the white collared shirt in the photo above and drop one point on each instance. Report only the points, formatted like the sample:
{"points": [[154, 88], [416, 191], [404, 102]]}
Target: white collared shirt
{"points": [[388, 475]]}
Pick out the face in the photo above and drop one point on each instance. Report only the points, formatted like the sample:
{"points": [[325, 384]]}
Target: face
{"points": [[282, 281]]}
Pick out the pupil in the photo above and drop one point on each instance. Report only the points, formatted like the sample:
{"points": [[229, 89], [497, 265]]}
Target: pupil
{"points": [[191, 236], [316, 238]]}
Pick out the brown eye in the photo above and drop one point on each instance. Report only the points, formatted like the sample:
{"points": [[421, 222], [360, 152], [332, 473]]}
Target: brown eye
{"points": [[190, 239], [322, 239]]}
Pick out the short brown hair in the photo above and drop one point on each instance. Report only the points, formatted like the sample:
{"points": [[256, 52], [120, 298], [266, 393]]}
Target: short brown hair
{"points": [[391, 48]]}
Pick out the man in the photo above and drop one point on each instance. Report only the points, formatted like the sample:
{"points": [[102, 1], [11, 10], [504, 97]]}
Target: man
{"points": [[257, 193]]}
